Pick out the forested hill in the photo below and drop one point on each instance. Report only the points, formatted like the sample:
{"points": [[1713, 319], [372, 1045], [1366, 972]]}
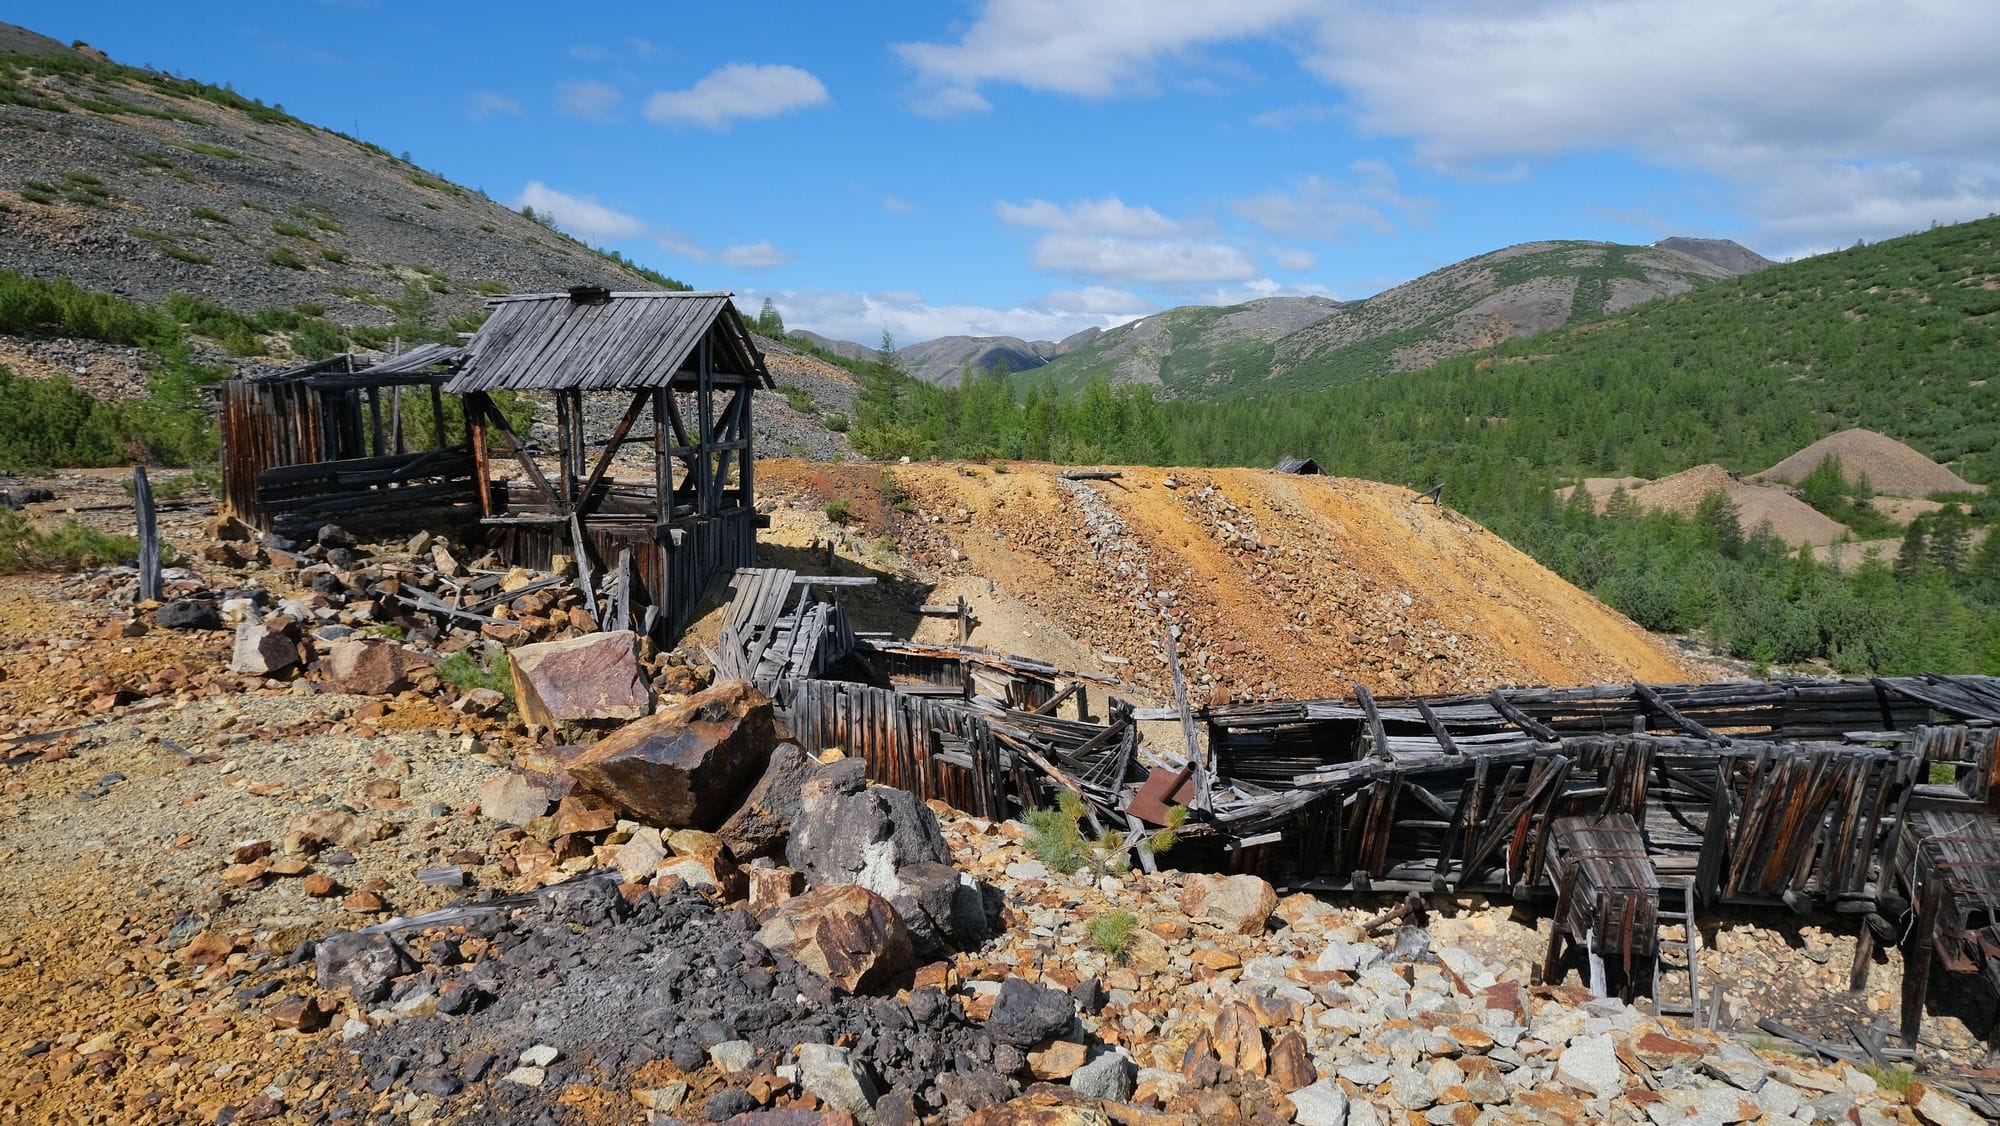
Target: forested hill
{"points": [[1901, 337], [1282, 345]]}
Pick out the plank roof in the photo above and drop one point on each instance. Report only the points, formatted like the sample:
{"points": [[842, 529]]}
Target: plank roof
{"points": [[619, 341]]}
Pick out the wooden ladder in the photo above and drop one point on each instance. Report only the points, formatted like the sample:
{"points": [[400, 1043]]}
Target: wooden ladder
{"points": [[1690, 943]]}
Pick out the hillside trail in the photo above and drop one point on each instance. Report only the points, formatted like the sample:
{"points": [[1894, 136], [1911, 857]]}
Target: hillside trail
{"points": [[1282, 585]]}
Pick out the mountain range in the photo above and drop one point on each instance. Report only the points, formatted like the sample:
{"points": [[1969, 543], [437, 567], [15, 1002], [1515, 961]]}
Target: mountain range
{"points": [[1296, 343]]}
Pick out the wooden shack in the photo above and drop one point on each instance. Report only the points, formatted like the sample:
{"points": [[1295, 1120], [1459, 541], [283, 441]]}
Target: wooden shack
{"points": [[683, 369], [346, 440]]}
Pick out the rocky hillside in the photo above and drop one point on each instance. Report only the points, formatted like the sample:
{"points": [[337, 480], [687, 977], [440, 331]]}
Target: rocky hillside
{"points": [[1283, 586], [945, 361], [1300, 343], [141, 184]]}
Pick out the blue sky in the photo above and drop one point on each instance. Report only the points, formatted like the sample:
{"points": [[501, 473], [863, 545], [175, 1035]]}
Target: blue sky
{"points": [[1034, 167]]}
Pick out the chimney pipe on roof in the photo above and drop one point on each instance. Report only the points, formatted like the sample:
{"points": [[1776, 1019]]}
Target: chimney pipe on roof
{"points": [[590, 295]]}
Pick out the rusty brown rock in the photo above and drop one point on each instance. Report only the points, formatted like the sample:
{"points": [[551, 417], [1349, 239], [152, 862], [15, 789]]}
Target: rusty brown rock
{"points": [[584, 813], [1239, 1042], [1291, 1064], [763, 823], [686, 766], [846, 934], [371, 666], [596, 676], [770, 888], [1237, 904]]}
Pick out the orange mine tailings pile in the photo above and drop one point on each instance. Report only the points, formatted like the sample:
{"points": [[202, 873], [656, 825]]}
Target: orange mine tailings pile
{"points": [[1284, 586]]}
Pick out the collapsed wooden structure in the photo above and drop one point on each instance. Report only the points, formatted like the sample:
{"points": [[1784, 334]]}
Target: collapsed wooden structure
{"points": [[346, 440], [1633, 807]]}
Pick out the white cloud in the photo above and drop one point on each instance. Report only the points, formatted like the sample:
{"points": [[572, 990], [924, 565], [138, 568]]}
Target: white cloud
{"points": [[1297, 261], [1092, 48], [1257, 289], [1900, 102], [588, 99], [580, 215], [847, 315], [486, 104], [737, 91], [1108, 216], [1320, 208], [754, 256], [896, 205], [949, 101], [1154, 261], [586, 52]]}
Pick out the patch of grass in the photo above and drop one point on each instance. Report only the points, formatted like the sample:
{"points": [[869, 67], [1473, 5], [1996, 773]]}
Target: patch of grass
{"points": [[838, 511], [285, 256], [1895, 1079], [210, 214], [252, 205], [333, 254], [1112, 933], [183, 254], [291, 230], [801, 400], [37, 195], [59, 307], [465, 672], [488, 288], [73, 546], [424, 180]]}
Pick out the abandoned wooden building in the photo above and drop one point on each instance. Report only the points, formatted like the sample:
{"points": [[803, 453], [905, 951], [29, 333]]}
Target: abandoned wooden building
{"points": [[685, 370], [346, 440], [334, 442], [1301, 466]]}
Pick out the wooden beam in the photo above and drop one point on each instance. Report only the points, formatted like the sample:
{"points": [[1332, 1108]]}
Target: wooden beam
{"points": [[1659, 704], [1520, 719], [588, 500], [149, 536], [1375, 730], [1195, 757], [521, 454]]}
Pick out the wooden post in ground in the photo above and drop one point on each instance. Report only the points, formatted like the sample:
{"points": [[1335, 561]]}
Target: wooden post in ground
{"points": [[149, 537]]}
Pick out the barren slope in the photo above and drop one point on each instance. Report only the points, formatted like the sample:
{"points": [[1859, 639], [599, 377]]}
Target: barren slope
{"points": [[1890, 466], [1283, 585]]}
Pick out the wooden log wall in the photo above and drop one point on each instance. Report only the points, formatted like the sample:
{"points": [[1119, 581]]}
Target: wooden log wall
{"points": [[674, 575], [265, 425]]}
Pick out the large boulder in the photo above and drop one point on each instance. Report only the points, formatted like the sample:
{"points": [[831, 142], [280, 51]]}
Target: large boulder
{"points": [[1237, 904], [1025, 1013], [364, 964], [371, 667], [264, 649], [846, 934], [889, 842], [763, 823], [596, 676], [686, 766]]}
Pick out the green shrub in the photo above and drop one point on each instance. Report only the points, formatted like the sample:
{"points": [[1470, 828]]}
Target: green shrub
{"points": [[60, 307], [71, 547], [465, 672], [1056, 838], [1112, 933], [210, 214], [333, 254], [291, 230], [801, 400], [838, 511], [285, 256], [835, 422]]}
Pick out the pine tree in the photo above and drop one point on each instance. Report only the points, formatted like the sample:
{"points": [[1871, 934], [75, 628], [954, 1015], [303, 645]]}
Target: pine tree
{"points": [[769, 323], [1949, 535], [1913, 558]]}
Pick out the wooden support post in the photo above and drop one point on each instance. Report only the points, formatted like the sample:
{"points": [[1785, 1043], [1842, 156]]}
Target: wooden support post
{"points": [[396, 417], [1918, 951], [149, 536], [375, 420], [437, 413], [964, 622], [1202, 781], [1864, 957]]}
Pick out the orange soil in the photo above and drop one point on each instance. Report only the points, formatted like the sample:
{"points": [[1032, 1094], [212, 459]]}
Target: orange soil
{"points": [[1284, 586]]}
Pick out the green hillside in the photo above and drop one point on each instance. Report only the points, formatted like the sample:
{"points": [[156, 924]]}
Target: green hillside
{"points": [[1288, 345], [1900, 337]]}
